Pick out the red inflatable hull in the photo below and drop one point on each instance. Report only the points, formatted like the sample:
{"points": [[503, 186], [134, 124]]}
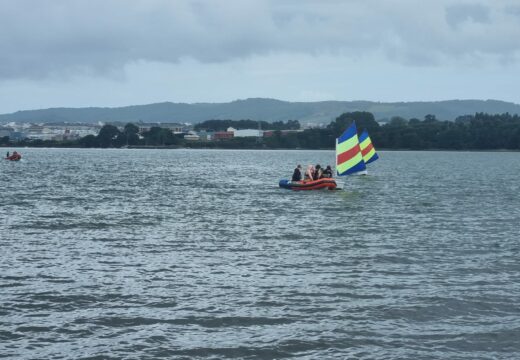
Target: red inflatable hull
{"points": [[16, 157], [326, 183]]}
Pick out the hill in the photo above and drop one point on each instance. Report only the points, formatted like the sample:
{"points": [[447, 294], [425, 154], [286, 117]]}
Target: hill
{"points": [[261, 109]]}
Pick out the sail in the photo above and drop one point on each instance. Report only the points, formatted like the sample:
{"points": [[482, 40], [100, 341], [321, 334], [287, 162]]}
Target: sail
{"points": [[349, 159], [367, 148]]}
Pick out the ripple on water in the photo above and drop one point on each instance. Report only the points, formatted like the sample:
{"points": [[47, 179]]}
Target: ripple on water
{"points": [[110, 254]]}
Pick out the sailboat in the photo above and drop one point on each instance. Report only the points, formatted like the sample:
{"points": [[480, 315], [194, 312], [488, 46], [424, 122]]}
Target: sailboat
{"points": [[367, 148], [353, 153], [349, 158]]}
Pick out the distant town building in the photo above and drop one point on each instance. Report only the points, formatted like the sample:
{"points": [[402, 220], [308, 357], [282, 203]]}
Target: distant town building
{"points": [[206, 135], [191, 136], [269, 133], [221, 135], [248, 133], [6, 131], [245, 132], [176, 128], [49, 131], [11, 132]]}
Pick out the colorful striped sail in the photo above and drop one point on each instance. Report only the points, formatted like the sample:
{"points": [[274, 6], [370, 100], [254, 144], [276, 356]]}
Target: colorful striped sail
{"points": [[349, 159], [367, 148]]}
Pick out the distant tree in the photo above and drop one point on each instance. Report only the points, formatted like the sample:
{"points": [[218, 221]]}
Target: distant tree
{"points": [[89, 141], [363, 119], [131, 129], [430, 118], [398, 121], [275, 140], [414, 122], [479, 131], [107, 136], [280, 125], [158, 136], [410, 140], [293, 125], [222, 125], [130, 134], [513, 141], [464, 119]]}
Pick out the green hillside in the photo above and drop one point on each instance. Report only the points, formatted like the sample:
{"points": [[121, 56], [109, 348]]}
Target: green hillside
{"points": [[262, 109]]}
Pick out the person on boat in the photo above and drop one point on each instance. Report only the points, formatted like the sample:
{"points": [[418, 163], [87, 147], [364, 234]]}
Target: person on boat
{"points": [[297, 174], [327, 173], [317, 172], [7, 154], [309, 174]]}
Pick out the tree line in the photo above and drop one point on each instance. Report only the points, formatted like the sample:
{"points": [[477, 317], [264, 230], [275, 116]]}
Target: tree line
{"points": [[470, 132], [111, 136], [223, 125]]}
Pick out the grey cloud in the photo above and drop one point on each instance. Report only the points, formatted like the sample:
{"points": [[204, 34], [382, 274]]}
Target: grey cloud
{"points": [[457, 14], [62, 37]]}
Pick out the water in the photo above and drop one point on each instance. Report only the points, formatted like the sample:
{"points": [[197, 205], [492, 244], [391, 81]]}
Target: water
{"points": [[143, 254]]}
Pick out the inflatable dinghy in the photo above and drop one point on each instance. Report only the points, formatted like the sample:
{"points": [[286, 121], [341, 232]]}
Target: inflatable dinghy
{"points": [[327, 183], [14, 157]]}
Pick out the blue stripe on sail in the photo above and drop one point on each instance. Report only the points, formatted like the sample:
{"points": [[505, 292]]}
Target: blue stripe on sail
{"points": [[363, 136], [373, 158], [360, 166], [351, 131]]}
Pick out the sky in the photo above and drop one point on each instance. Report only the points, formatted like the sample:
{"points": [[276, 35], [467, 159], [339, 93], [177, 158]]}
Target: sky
{"points": [[81, 53]]}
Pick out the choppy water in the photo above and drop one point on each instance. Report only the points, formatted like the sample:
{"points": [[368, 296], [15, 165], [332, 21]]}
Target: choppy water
{"points": [[143, 254]]}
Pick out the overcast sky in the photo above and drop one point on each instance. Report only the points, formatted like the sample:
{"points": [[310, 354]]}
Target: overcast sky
{"points": [[67, 53]]}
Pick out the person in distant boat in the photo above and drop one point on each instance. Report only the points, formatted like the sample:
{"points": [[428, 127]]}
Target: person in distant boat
{"points": [[7, 154], [317, 172], [327, 173], [297, 174], [309, 174]]}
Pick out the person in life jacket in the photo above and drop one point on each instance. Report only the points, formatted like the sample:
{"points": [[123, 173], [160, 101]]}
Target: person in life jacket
{"points": [[327, 173], [317, 172], [297, 174]]}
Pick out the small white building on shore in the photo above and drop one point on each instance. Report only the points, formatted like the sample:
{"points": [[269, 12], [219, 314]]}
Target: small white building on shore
{"points": [[245, 132]]}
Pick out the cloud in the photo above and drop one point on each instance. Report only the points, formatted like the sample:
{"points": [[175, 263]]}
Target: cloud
{"points": [[460, 13], [57, 38]]}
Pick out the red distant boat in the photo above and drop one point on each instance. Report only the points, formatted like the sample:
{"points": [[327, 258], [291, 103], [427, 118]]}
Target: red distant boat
{"points": [[14, 157]]}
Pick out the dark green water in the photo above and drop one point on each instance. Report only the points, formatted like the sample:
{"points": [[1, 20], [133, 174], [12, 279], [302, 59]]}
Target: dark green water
{"points": [[136, 254]]}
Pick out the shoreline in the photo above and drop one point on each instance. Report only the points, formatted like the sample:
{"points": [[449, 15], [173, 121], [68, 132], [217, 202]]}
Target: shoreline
{"points": [[251, 148]]}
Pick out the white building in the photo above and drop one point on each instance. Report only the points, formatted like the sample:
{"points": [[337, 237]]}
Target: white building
{"points": [[192, 136], [246, 132]]}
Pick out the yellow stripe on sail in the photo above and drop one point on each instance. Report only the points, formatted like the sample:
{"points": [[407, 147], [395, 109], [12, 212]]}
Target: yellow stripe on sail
{"points": [[350, 163], [346, 145], [369, 155], [364, 143]]}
